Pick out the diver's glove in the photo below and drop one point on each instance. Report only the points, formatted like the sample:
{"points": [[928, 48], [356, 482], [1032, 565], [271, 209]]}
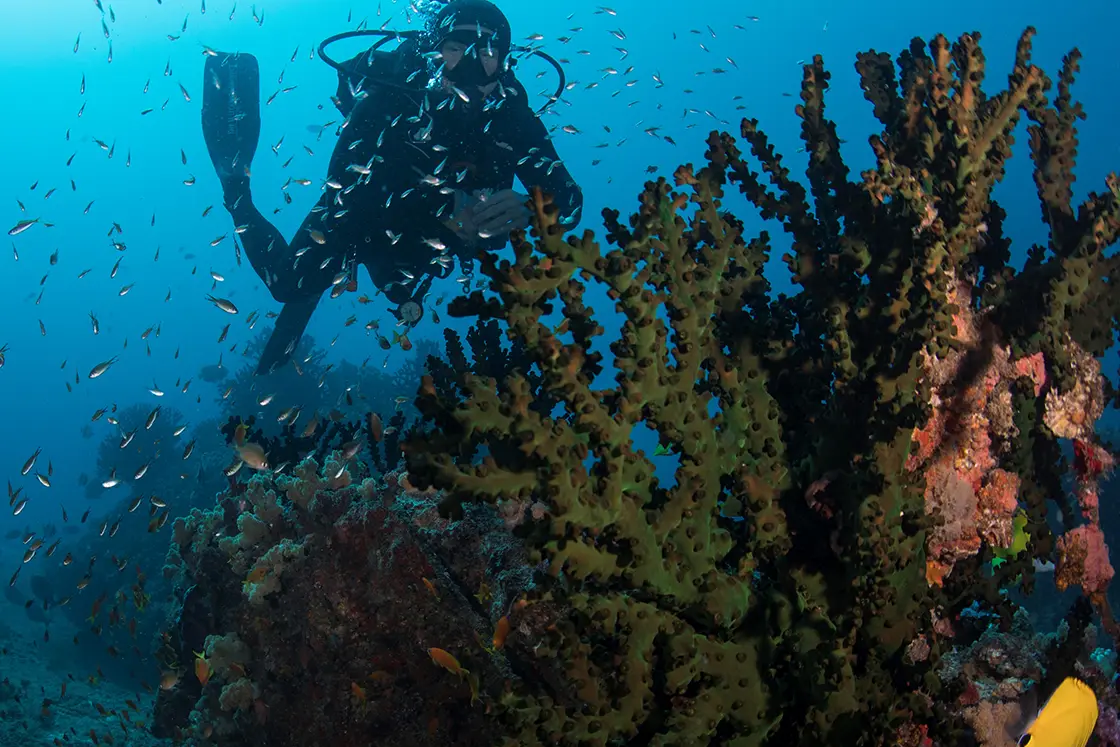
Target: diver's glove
{"points": [[500, 213], [479, 218]]}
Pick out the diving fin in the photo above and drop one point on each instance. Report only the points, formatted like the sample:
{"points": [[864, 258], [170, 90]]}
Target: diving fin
{"points": [[231, 116], [290, 325]]}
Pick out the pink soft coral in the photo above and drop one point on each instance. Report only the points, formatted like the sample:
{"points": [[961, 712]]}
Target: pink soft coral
{"points": [[1083, 560], [1032, 367]]}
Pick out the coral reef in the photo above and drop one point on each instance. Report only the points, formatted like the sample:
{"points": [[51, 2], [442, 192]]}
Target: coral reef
{"points": [[843, 459], [999, 668], [310, 608]]}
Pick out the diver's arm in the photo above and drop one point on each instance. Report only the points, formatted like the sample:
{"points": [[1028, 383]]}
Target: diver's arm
{"points": [[544, 168]]}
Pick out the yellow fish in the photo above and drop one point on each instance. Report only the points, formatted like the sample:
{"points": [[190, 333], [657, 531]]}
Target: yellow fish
{"points": [[1066, 720]]}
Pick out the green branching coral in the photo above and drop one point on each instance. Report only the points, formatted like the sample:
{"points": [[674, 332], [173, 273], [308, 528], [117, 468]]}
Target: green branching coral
{"points": [[778, 590]]}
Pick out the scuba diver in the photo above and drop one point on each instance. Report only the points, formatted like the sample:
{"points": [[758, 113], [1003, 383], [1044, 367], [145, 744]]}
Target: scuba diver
{"points": [[434, 133]]}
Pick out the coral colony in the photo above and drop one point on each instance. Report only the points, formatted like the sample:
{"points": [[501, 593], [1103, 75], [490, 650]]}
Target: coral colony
{"points": [[847, 480]]}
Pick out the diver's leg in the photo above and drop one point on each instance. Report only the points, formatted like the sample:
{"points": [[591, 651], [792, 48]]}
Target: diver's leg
{"points": [[265, 247], [298, 282]]}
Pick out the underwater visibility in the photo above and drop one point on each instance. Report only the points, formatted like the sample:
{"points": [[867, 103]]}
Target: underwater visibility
{"points": [[353, 399]]}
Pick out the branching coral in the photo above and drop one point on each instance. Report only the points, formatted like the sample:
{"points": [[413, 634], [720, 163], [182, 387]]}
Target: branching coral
{"points": [[785, 566]]}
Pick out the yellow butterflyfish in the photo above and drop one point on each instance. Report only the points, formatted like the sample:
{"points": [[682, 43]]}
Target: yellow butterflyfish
{"points": [[1066, 720]]}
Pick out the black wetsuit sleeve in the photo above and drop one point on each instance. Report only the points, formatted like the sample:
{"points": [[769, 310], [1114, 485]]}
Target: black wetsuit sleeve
{"points": [[543, 168]]}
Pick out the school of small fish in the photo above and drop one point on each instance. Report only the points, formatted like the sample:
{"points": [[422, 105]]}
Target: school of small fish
{"points": [[595, 42]]}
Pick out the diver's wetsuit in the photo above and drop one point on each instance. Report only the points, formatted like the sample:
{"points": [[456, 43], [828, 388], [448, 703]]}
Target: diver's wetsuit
{"points": [[353, 219]]}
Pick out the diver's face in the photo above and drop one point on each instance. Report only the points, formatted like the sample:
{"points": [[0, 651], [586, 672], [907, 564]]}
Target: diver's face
{"points": [[454, 51]]}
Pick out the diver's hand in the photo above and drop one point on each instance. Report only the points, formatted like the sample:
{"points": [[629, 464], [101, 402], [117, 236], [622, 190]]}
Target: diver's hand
{"points": [[500, 213]]}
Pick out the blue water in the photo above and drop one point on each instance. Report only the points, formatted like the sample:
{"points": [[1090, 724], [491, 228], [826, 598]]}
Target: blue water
{"points": [[42, 82], [680, 43]]}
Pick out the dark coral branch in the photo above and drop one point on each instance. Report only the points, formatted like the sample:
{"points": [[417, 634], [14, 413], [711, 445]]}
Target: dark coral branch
{"points": [[845, 460]]}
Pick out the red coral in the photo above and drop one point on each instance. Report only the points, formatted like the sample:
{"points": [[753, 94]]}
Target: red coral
{"points": [[1083, 560], [926, 440], [997, 502], [1090, 460], [951, 499], [1089, 501], [1032, 367], [969, 424], [913, 735]]}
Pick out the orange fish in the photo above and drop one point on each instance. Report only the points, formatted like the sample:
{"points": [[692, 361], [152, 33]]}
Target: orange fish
{"points": [[447, 661], [451, 664], [201, 668], [358, 692], [501, 630]]}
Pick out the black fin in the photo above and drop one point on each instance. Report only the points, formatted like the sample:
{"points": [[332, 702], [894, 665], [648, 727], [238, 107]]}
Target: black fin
{"points": [[290, 325], [231, 113]]}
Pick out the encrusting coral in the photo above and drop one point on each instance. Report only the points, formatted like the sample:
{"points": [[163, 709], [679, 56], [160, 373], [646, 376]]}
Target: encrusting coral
{"points": [[844, 456], [309, 610]]}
